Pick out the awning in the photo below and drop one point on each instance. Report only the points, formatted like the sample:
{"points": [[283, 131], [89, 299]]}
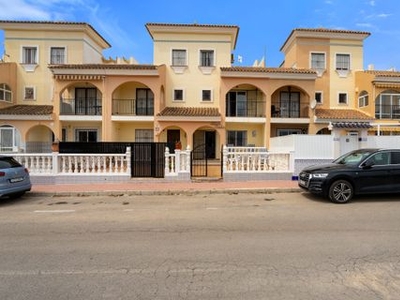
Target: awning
{"points": [[351, 125]]}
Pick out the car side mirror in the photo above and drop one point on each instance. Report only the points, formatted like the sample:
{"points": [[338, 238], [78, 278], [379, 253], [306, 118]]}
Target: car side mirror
{"points": [[368, 164]]}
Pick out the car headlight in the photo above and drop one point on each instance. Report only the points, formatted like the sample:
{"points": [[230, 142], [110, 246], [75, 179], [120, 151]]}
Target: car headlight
{"points": [[319, 175]]}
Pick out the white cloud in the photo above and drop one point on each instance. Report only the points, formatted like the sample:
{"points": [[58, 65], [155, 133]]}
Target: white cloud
{"points": [[20, 9]]}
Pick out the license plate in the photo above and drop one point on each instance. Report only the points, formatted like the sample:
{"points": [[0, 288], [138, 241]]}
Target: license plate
{"points": [[17, 179]]}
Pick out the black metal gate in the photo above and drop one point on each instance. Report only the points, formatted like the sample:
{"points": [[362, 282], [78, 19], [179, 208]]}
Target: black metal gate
{"points": [[199, 161], [148, 160]]}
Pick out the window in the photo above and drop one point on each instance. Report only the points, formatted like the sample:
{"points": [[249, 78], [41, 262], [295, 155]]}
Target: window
{"points": [[57, 55], [29, 93], [318, 97], [29, 55], [206, 58], [288, 131], [5, 93], [178, 95], [237, 138], [387, 105], [343, 62], [86, 135], [7, 138], [144, 135], [290, 104], [144, 102], [179, 57], [342, 98], [318, 61], [363, 99], [206, 95]]}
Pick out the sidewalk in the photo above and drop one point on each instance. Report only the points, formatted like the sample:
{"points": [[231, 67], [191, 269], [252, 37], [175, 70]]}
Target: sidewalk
{"points": [[164, 188]]}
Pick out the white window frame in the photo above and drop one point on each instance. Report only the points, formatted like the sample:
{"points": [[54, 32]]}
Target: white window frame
{"points": [[321, 69], [211, 95], [201, 51], [6, 90], [343, 72], [179, 68], [322, 97], [363, 100], [50, 55], [347, 98], [31, 65], [28, 88], [183, 95]]}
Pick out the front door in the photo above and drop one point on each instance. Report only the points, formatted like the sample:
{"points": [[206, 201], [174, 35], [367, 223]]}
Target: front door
{"points": [[173, 136]]}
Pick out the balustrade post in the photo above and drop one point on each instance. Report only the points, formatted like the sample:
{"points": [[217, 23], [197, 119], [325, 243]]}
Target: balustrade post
{"points": [[166, 169], [177, 160], [224, 158], [54, 163], [128, 160], [188, 158]]}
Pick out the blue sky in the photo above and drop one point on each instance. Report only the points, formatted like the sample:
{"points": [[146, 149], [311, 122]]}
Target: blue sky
{"points": [[264, 24]]}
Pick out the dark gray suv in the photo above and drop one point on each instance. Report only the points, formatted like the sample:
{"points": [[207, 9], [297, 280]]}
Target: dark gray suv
{"points": [[363, 171]]}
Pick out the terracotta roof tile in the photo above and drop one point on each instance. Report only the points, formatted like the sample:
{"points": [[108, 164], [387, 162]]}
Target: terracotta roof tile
{"points": [[328, 30], [267, 70], [32, 110], [103, 66], [383, 73], [190, 112], [194, 25], [341, 114]]}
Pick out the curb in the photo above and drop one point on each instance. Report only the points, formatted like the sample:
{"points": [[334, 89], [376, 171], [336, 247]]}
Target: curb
{"points": [[121, 193]]}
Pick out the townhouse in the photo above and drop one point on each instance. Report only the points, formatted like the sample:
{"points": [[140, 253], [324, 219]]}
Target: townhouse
{"points": [[56, 85]]}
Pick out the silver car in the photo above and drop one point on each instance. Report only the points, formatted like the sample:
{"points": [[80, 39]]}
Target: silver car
{"points": [[14, 178]]}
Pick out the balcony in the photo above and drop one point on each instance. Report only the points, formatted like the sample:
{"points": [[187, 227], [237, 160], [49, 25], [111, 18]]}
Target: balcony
{"points": [[249, 108], [81, 107], [280, 109], [133, 107], [387, 111]]}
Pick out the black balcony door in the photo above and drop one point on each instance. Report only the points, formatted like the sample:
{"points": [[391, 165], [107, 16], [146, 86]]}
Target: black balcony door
{"points": [[85, 101], [144, 102]]}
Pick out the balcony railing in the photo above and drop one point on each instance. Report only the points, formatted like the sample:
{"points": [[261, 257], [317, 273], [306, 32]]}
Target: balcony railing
{"points": [[293, 110], [85, 107], [387, 112], [249, 108], [133, 107]]}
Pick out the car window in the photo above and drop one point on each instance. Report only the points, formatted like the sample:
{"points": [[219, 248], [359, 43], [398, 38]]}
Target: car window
{"points": [[352, 158], [8, 162], [395, 158], [379, 159]]}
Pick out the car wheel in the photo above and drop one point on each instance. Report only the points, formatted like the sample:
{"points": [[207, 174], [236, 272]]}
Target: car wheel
{"points": [[341, 191], [16, 195]]}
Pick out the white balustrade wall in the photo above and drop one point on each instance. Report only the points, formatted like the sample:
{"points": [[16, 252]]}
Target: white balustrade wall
{"points": [[62, 164], [178, 162], [255, 159]]}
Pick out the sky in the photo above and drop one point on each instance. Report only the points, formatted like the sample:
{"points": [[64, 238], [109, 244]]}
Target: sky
{"points": [[264, 24]]}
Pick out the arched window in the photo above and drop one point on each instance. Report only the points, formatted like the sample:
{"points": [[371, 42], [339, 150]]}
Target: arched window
{"points": [[363, 99], [5, 93]]}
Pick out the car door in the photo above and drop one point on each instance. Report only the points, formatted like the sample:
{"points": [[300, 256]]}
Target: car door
{"points": [[395, 170], [375, 175]]}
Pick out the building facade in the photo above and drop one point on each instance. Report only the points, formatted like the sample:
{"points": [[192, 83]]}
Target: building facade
{"points": [[56, 85]]}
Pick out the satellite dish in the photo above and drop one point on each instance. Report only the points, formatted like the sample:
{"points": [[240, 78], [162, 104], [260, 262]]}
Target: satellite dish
{"points": [[313, 104]]}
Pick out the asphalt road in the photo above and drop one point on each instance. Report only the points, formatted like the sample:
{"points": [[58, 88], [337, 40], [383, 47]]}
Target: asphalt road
{"points": [[238, 246]]}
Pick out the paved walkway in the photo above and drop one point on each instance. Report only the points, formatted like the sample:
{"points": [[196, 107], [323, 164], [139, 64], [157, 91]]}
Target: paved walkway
{"points": [[158, 188]]}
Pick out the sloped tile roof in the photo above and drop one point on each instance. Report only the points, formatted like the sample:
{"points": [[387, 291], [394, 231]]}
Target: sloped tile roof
{"points": [[32, 110], [103, 66], [382, 73], [194, 25], [190, 112], [341, 114], [328, 30], [351, 125], [267, 70]]}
